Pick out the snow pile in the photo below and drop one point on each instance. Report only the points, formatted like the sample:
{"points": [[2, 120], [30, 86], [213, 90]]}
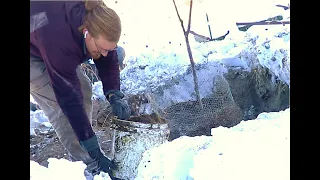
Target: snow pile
{"points": [[38, 120], [271, 45], [172, 160], [256, 149], [62, 169], [97, 91], [266, 46]]}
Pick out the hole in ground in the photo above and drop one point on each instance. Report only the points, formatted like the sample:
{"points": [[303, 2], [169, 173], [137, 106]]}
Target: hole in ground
{"points": [[250, 94]]}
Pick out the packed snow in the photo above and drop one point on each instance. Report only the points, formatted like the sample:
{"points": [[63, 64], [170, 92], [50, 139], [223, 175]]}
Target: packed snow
{"points": [[255, 149]]}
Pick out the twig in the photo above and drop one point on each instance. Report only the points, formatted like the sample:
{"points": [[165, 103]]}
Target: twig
{"points": [[174, 2], [189, 23]]}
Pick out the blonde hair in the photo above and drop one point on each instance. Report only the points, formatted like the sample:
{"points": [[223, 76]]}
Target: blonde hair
{"points": [[101, 20]]}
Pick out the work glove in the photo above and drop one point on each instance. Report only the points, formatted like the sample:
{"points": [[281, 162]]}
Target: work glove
{"points": [[120, 107], [101, 163]]}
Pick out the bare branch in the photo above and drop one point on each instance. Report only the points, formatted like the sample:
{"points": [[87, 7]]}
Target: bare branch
{"points": [[189, 24], [186, 33], [175, 6]]}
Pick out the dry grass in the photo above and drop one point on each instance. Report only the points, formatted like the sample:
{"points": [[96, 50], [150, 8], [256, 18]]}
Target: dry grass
{"points": [[259, 75]]}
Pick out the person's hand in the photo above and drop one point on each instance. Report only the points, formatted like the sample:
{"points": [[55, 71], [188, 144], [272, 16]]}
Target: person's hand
{"points": [[120, 107], [100, 163]]}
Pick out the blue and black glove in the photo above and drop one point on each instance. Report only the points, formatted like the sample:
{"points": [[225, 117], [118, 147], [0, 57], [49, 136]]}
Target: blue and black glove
{"points": [[120, 107], [101, 163]]}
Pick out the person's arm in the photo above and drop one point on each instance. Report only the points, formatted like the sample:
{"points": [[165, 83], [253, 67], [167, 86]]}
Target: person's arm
{"points": [[61, 58], [109, 73]]}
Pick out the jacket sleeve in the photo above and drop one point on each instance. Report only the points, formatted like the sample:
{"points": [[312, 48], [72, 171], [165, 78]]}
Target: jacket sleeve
{"points": [[62, 57], [108, 71]]}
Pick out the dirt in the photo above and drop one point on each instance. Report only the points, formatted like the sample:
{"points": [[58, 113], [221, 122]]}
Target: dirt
{"points": [[255, 93], [47, 145]]}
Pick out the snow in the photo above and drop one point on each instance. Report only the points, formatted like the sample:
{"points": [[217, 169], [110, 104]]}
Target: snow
{"points": [[97, 91], [255, 149], [57, 169], [269, 48], [38, 120], [62, 169], [32, 100]]}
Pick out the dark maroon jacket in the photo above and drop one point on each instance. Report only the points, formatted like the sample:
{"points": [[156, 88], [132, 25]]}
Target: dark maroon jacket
{"points": [[62, 48]]}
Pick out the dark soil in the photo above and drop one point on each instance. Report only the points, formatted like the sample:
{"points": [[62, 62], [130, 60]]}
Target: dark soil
{"points": [[47, 145], [255, 93]]}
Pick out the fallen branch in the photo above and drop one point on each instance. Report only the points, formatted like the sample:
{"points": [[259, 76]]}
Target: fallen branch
{"points": [[263, 23], [200, 36], [284, 7], [204, 38]]}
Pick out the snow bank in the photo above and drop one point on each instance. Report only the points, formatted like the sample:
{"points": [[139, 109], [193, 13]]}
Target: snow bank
{"points": [[256, 149], [268, 46], [61, 169], [271, 44]]}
